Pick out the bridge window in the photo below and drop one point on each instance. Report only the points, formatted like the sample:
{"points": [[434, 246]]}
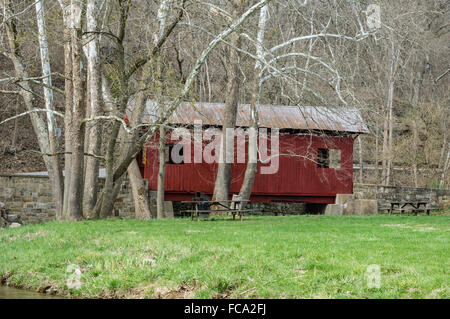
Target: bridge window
{"points": [[329, 158], [323, 158]]}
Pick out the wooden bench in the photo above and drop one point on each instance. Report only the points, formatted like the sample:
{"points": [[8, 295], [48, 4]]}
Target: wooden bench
{"points": [[401, 207], [233, 212], [235, 207]]}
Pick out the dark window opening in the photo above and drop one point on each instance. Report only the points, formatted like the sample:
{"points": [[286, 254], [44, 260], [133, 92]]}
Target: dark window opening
{"points": [[329, 158], [323, 158]]}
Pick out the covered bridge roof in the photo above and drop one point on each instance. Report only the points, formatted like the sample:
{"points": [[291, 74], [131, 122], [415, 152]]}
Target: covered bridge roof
{"points": [[271, 116]]}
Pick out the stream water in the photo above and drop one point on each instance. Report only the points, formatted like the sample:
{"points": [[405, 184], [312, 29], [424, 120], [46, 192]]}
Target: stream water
{"points": [[14, 293]]}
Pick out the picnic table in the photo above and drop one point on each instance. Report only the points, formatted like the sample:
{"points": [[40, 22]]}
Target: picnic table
{"points": [[235, 207], [417, 206]]}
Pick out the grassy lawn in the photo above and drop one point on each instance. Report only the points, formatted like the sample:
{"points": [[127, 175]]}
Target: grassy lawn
{"points": [[262, 257]]}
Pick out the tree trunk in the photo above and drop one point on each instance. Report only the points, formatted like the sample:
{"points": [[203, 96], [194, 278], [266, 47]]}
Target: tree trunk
{"points": [[388, 124], [416, 84], [415, 149], [95, 108], [252, 163], [377, 173], [445, 169], [224, 169], [390, 154], [138, 187], [76, 133], [140, 192], [443, 148], [384, 151], [57, 184], [68, 91], [15, 130], [161, 173], [108, 199], [444, 112], [162, 14], [361, 163]]}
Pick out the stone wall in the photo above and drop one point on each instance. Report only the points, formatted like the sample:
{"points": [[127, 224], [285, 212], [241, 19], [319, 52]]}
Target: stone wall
{"points": [[30, 196], [275, 208], [438, 198], [124, 205], [270, 209]]}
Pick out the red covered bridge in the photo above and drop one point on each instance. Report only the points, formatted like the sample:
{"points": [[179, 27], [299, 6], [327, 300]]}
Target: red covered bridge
{"points": [[315, 153]]}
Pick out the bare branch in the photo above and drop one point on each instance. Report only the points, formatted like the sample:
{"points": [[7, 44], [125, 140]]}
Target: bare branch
{"points": [[158, 45], [441, 76], [187, 86], [9, 92], [30, 112]]}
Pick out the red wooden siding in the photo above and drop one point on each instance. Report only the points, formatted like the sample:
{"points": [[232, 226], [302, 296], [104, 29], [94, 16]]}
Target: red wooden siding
{"points": [[299, 179]]}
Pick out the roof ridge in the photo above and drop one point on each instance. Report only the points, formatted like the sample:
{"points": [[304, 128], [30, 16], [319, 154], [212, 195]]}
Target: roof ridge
{"points": [[325, 118]]}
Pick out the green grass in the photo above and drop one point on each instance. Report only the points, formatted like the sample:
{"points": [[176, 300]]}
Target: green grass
{"points": [[262, 257]]}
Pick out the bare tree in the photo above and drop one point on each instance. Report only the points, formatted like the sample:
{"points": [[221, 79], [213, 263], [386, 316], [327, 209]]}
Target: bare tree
{"points": [[93, 138], [77, 111], [57, 178], [26, 91], [252, 163], [224, 169], [162, 16]]}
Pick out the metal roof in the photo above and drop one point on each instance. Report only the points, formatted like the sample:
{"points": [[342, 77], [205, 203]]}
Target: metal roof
{"points": [[271, 116]]}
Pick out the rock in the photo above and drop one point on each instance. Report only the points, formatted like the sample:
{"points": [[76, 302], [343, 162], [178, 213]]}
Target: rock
{"points": [[13, 218], [334, 209], [341, 199], [15, 225], [368, 206], [346, 204], [168, 209]]}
